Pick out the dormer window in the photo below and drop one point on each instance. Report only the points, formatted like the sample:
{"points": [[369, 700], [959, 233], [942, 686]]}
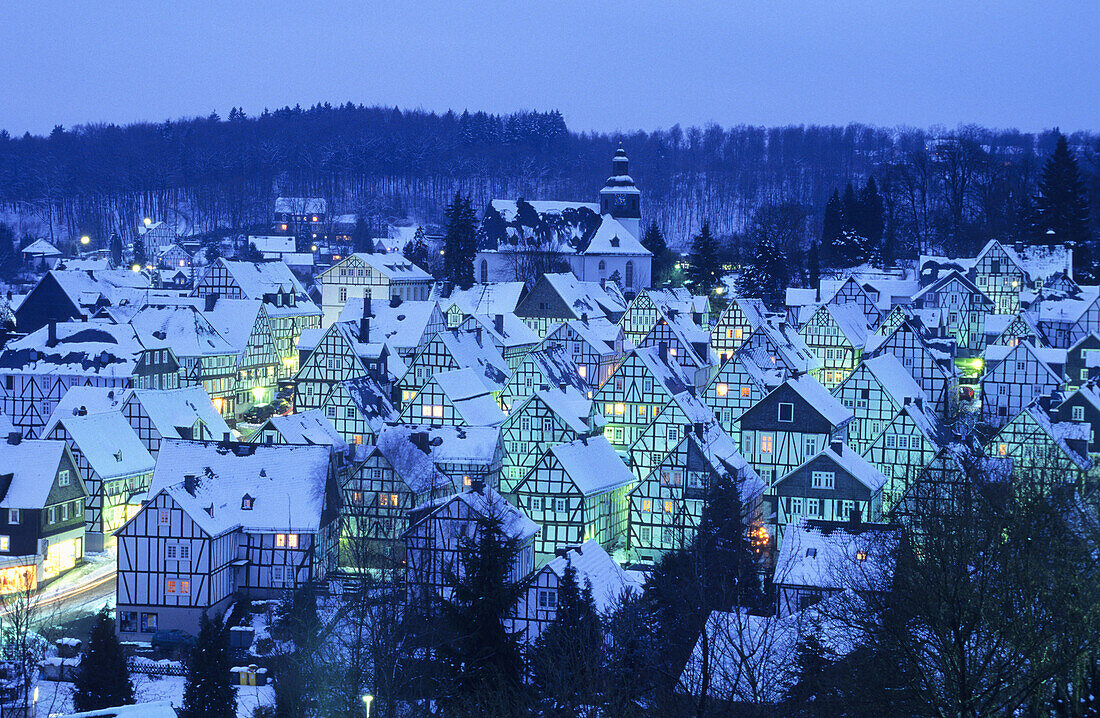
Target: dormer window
{"points": [[811, 553], [246, 503]]}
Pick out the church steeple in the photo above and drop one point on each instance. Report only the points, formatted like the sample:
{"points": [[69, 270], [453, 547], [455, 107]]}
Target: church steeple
{"points": [[620, 197]]}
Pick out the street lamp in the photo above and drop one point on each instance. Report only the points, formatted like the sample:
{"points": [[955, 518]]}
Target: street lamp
{"points": [[85, 239], [147, 221], [366, 703], [136, 267]]}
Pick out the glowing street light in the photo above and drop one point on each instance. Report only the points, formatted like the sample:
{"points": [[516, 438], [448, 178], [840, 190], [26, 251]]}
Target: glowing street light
{"points": [[136, 267], [85, 239], [367, 700], [147, 221]]}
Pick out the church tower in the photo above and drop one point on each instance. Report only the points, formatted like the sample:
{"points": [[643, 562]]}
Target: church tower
{"points": [[620, 198]]}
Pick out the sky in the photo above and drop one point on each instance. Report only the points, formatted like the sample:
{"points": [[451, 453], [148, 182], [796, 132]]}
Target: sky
{"points": [[607, 66]]}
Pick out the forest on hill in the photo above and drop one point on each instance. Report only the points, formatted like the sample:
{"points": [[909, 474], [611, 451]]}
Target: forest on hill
{"points": [[940, 189]]}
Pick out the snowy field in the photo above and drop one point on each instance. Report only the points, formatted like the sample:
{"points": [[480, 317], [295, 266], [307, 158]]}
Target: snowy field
{"points": [[55, 698]]}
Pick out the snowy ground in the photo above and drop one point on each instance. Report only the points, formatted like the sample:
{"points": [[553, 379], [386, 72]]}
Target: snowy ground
{"points": [[56, 698]]}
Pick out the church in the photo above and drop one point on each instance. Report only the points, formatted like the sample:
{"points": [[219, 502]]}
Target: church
{"points": [[598, 241]]}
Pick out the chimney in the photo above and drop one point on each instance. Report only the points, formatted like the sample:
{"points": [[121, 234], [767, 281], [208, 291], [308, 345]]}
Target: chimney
{"points": [[603, 283], [584, 318], [698, 426], [211, 300], [662, 351], [364, 321], [395, 300], [562, 385], [15, 438], [920, 402], [420, 441], [477, 485], [837, 447], [905, 401], [51, 339], [498, 323], [189, 483], [227, 437], [854, 519], [584, 440], [477, 335]]}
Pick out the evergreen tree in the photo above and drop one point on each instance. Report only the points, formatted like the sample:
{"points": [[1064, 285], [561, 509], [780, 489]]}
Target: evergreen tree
{"points": [[103, 680], [360, 237], [298, 623], [140, 257], [704, 271], [654, 240], [831, 227], [766, 273], [481, 659], [852, 249], [567, 666], [813, 694], [116, 250], [416, 250], [813, 261], [9, 254], [1062, 212], [851, 210], [460, 243], [872, 223], [208, 692], [722, 544]]}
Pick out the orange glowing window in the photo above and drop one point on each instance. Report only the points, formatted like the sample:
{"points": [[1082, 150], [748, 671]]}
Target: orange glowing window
{"points": [[745, 391], [1002, 449], [721, 389], [766, 444], [668, 507], [647, 505]]}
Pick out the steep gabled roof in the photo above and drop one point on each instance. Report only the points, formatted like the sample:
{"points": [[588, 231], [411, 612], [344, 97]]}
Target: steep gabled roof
{"points": [[612, 237], [596, 567], [33, 464], [592, 464]]}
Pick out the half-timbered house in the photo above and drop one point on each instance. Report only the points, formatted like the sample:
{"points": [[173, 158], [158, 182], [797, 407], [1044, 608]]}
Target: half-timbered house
{"points": [[738, 385], [646, 308], [875, 393], [776, 345], [1065, 318], [636, 393], [547, 366], [738, 320], [836, 334], [789, 425], [115, 466], [511, 336], [1083, 361], [41, 512], [359, 408], [1008, 330], [688, 344], [1045, 454], [75, 295], [932, 368], [836, 485], [486, 299], [1083, 406], [225, 522], [452, 349], [1018, 375], [406, 327], [685, 413], [667, 504], [964, 306], [576, 492], [595, 345], [454, 398], [184, 413], [557, 298], [549, 416], [907, 443], [381, 276]]}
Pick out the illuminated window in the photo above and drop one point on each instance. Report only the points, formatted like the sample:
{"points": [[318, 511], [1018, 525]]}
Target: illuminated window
{"points": [[437, 411], [620, 409], [1002, 449], [582, 371], [721, 389], [466, 481], [668, 507], [169, 586], [672, 351], [5, 543], [426, 410], [358, 438], [737, 333], [292, 540], [647, 505], [766, 443], [280, 540], [861, 555], [745, 391], [641, 410], [729, 334], [185, 587], [165, 517]]}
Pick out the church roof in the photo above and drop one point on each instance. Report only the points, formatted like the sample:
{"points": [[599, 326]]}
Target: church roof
{"points": [[613, 237]]}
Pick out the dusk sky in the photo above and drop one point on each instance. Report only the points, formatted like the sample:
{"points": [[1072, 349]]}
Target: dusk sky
{"points": [[606, 66]]}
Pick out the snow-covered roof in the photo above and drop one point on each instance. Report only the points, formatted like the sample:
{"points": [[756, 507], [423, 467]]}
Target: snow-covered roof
{"points": [[371, 400], [309, 427], [182, 328], [94, 348], [592, 464], [109, 443], [851, 320], [33, 464], [274, 244], [837, 555], [486, 299], [894, 378], [469, 396], [234, 319], [87, 400], [569, 404], [668, 372], [594, 565], [820, 399], [489, 504], [587, 297], [402, 327], [173, 410], [719, 448], [612, 237], [480, 356], [257, 279], [41, 248], [301, 205], [852, 463], [514, 331], [122, 290], [605, 337], [445, 444], [392, 266], [287, 483], [152, 709], [788, 344]]}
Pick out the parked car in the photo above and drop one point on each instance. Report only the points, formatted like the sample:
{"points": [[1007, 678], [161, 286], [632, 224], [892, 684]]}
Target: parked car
{"points": [[173, 640]]}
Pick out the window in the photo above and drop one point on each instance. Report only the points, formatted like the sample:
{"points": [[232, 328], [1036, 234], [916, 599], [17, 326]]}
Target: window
{"points": [[170, 585], [548, 598], [185, 552], [148, 623], [668, 507], [5, 544], [1021, 366], [796, 505], [903, 442], [246, 503], [536, 503], [786, 412], [1002, 449], [673, 433], [721, 389], [330, 412], [559, 505], [822, 479], [185, 587], [729, 334], [647, 533], [737, 333], [128, 621], [292, 540], [13, 516], [1078, 413], [766, 443], [53, 514], [891, 441], [278, 574], [813, 507], [647, 385], [171, 551], [629, 274], [745, 391], [846, 509], [343, 294], [63, 477], [810, 445], [647, 504], [1002, 389], [861, 555], [280, 540]]}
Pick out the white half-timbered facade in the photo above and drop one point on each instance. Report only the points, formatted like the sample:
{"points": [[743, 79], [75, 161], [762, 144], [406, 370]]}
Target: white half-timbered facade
{"points": [[836, 334], [548, 366], [737, 386], [1019, 376], [875, 393], [596, 346], [738, 320], [453, 398], [636, 393], [547, 417]]}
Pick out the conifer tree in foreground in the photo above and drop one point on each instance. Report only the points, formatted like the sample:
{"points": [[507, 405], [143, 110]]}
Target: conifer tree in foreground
{"points": [[722, 544], [654, 240], [208, 692], [482, 663], [1062, 212], [416, 250], [103, 680], [704, 271], [360, 237], [766, 273], [460, 243], [567, 664], [297, 622]]}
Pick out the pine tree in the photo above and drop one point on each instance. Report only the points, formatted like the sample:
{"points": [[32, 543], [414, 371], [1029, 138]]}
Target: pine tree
{"points": [[722, 544], [416, 250], [481, 658], [103, 680], [460, 243], [704, 271], [360, 237], [116, 250], [766, 274], [140, 256], [1062, 212], [852, 249], [812, 694], [567, 664], [831, 227], [654, 240], [208, 692], [870, 209], [851, 211], [9, 255]]}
